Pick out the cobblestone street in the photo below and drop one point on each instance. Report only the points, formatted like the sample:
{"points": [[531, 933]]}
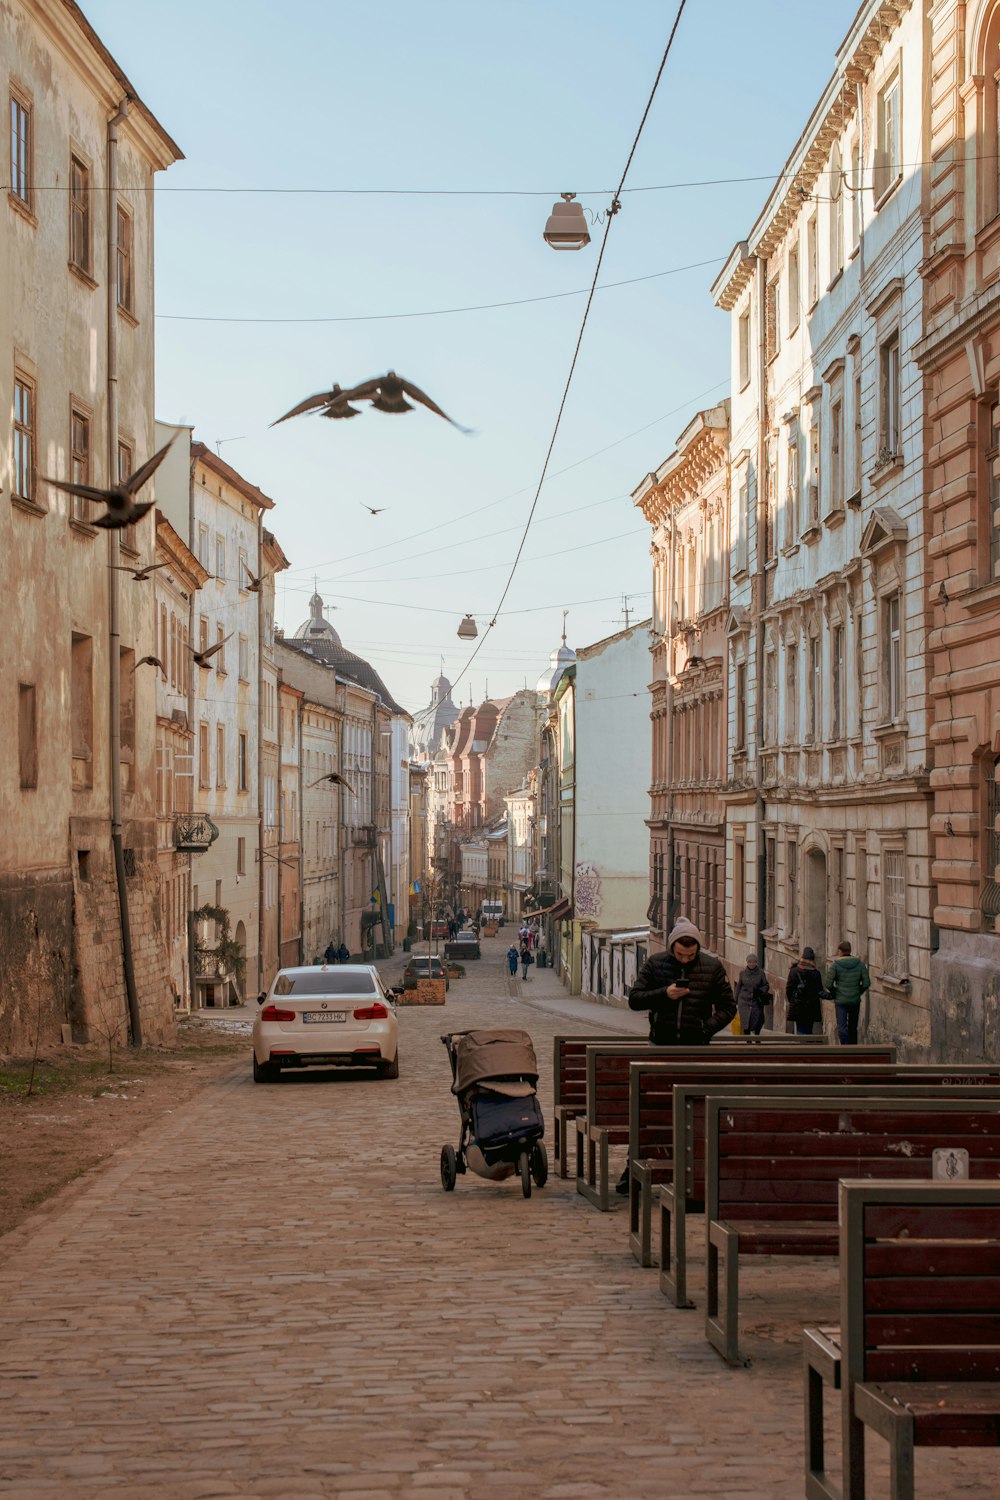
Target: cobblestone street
{"points": [[272, 1296]]}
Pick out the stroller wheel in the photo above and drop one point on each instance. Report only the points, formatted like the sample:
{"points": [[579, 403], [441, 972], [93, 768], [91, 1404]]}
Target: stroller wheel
{"points": [[449, 1168], [539, 1164], [524, 1167]]}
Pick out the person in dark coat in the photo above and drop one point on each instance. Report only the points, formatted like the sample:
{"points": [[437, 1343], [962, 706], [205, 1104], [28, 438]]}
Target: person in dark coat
{"points": [[330, 953], [803, 989], [343, 954], [752, 993], [685, 990], [526, 960]]}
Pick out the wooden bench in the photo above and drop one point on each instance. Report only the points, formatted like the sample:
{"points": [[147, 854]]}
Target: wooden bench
{"points": [[651, 1121], [604, 1119], [772, 1169], [917, 1354], [682, 1189], [569, 1085]]}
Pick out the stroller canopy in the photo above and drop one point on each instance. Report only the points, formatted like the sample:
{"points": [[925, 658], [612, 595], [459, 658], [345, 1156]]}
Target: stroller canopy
{"points": [[482, 1056]]}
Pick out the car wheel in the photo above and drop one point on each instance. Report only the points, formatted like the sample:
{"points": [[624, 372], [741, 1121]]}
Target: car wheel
{"points": [[539, 1164], [524, 1167], [449, 1168], [390, 1069], [264, 1072]]}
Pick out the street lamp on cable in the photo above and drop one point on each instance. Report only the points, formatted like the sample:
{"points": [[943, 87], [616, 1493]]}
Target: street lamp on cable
{"points": [[468, 629], [566, 228]]}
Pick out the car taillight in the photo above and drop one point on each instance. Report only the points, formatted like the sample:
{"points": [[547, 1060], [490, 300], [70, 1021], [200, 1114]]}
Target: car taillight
{"points": [[272, 1013], [376, 1012]]}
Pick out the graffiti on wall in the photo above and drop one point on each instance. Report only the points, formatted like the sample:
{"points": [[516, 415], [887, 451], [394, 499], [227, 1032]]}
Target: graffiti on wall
{"points": [[587, 894]]}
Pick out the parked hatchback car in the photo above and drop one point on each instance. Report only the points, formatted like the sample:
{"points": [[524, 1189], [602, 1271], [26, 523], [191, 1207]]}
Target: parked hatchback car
{"points": [[462, 946], [422, 966], [325, 1017]]}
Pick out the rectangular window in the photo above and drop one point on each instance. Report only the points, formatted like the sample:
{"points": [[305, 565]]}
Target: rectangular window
{"points": [[810, 506], [770, 882], [79, 215], [888, 156], [244, 659], [203, 546], [82, 698], [241, 856], [79, 445], [27, 734], [741, 707], [220, 755], [855, 191], [792, 484], [744, 350], [991, 488], [837, 453], [836, 215], [220, 655], [202, 632], [772, 325], [770, 697], [243, 769], [791, 886], [858, 429], [895, 958], [220, 556], [126, 698], [739, 882], [126, 286], [21, 145], [204, 768], [815, 688], [741, 558], [244, 571], [24, 437], [771, 504], [791, 694], [890, 434], [812, 262], [837, 682], [128, 535], [892, 621], [989, 902], [793, 288]]}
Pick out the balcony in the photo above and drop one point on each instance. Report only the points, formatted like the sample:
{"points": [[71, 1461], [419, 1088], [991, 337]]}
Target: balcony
{"points": [[194, 833], [363, 835]]}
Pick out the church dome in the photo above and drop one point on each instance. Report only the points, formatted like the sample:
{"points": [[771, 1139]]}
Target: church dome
{"points": [[564, 656], [317, 627], [432, 722]]}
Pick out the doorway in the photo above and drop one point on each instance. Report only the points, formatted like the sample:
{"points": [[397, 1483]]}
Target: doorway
{"points": [[815, 906], [239, 982]]}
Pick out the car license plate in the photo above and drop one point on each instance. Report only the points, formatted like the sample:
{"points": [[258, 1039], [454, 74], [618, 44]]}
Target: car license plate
{"points": [[323, 1015]]}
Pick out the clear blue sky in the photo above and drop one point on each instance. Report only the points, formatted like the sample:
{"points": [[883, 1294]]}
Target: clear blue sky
{"points": [[524, 95]]}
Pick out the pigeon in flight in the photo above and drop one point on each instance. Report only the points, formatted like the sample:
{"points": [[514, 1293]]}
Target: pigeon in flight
{"points": [[375, 510], [204, 657], [147, 661], [253, 583], [389, 393], [333, 778], [331, 403], [120, 498], [139, 574]]}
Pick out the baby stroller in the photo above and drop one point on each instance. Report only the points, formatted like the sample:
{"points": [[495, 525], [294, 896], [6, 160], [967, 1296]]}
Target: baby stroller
{"points": [[494, 1075]]}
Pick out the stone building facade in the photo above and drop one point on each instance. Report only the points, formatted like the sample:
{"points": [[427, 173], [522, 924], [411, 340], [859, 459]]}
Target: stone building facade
{"points": [[828, 798], [76, 270], [686, 502], [959, 355]]}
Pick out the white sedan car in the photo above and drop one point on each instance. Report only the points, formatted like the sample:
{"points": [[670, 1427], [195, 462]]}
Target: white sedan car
{"points": [[337, 1015]]}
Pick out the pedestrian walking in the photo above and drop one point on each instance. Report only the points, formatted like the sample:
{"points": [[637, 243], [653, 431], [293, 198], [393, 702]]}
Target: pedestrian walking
{"points": [[753, 992], [343, 954], [847, 979], [526, 960], [330, 953], [512, 960], [685, 990], [803, 989], [452, 929]]}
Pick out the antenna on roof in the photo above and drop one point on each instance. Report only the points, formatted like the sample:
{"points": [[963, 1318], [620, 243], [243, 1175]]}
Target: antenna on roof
{"points": [[565, 613]]}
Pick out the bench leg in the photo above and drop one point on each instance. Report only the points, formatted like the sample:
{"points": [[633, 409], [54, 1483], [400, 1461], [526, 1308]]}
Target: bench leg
{"points": [[565, 1114], [593, 1184], [581, 1134], [722, 1316], [871, 1409], [640, 1205], [822, 1367], [673, 1246]]}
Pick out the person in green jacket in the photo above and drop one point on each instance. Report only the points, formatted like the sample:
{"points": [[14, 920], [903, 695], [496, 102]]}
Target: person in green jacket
{"points": [[847, 979]]}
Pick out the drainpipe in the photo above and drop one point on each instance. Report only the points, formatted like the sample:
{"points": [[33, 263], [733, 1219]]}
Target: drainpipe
{"points": [[192, 947], [260, 763], [114, 597], [300, 915], [672, 895], [758, 601]]}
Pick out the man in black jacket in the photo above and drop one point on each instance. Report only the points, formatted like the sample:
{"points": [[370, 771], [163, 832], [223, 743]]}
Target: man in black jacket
{"points": [[685, 990]]}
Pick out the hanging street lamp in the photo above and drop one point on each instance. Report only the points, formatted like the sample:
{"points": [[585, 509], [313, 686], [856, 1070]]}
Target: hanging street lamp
{"points": [[467, 631], [566, 228]]}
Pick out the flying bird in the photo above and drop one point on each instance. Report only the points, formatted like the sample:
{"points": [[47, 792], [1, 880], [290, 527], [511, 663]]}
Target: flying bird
{"points": [[331, 403], [389, 393], [139, 574], [148, 661], [120, 498], [333, 778], [203, 657], [376, 510], [253, 584]]}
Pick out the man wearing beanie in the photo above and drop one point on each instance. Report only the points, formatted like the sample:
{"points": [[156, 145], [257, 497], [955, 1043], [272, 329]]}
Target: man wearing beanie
{"points": [[685, 990]]}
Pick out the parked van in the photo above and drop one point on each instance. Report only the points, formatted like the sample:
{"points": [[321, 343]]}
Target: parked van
{"points": [[492, 911]]}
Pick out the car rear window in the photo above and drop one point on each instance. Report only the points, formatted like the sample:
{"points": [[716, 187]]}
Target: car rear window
{"points": [[321, 983]]}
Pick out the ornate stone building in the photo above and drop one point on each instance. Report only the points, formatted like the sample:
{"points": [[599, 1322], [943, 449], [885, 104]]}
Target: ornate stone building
{"points": [[829, 793], [959, 355], [687, 504]]}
